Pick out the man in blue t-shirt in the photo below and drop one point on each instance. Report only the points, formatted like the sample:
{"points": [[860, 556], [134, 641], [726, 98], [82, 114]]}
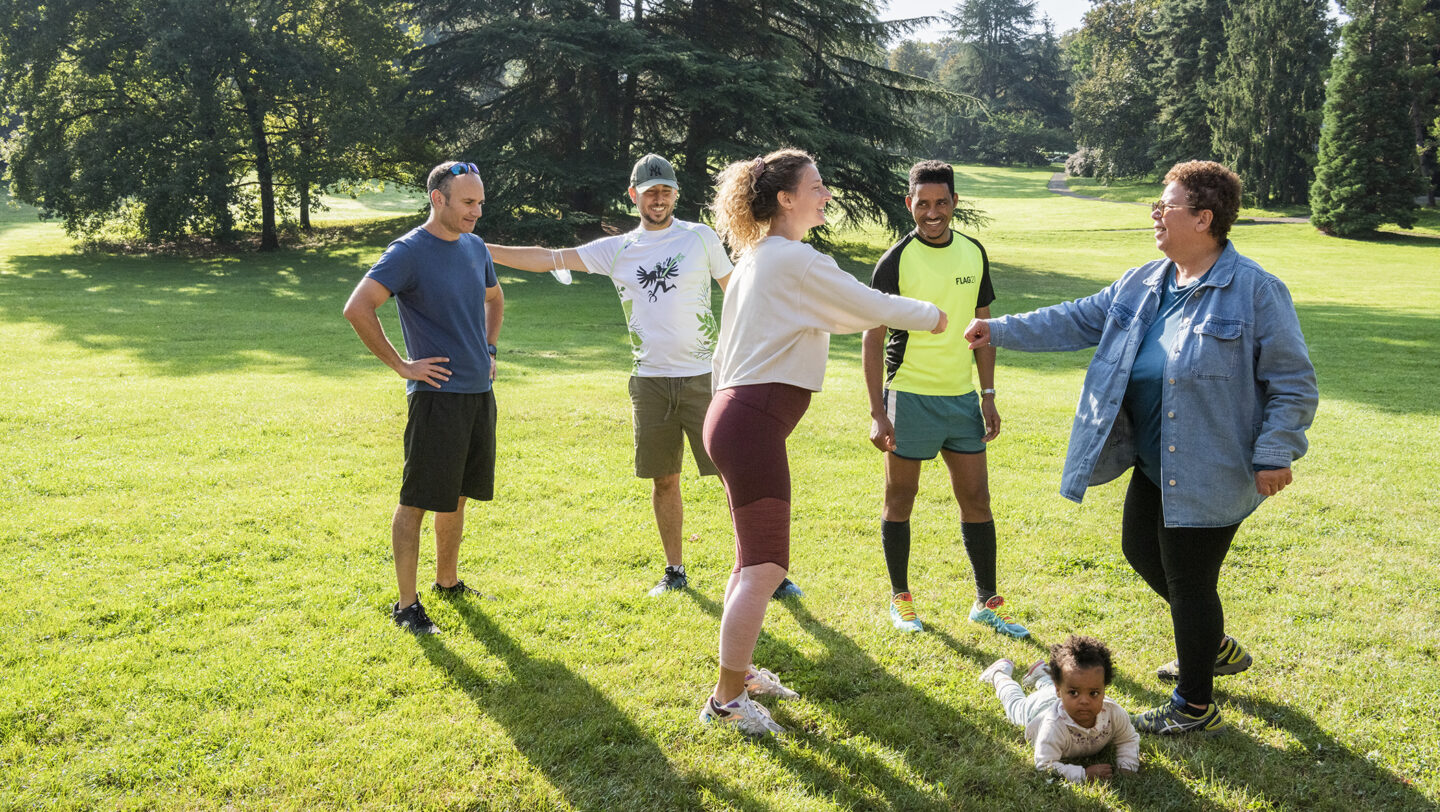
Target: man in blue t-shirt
{"points": [[451, 307]]}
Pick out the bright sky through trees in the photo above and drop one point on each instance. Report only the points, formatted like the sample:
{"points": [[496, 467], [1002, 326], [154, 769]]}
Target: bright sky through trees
{"points": [[1065, 13]]}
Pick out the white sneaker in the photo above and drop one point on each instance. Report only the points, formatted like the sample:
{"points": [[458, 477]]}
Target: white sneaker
{"points": [[763, 682], [748, 717], [1033, 675], [1000, 666]]}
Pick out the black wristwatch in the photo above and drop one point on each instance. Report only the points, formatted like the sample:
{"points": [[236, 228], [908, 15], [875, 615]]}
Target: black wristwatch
{"points": [[491, 348]]}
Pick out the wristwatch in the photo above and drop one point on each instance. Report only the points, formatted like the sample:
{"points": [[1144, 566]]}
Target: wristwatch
{"points": [[984, 392], [491, 348]]}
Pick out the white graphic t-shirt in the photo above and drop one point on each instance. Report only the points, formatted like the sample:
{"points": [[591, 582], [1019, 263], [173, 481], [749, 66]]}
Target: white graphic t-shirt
{"points": [[663, 278]]}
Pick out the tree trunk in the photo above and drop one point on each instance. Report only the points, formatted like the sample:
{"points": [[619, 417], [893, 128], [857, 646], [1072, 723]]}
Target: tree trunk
{"points": [[269, 238]]}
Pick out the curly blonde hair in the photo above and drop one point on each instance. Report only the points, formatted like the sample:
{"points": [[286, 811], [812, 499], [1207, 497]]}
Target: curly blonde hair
{"points": [[746, 195]]}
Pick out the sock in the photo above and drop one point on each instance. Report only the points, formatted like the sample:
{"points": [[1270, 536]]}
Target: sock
{"points": [[895, 538], [678, 569], [980, 546]]}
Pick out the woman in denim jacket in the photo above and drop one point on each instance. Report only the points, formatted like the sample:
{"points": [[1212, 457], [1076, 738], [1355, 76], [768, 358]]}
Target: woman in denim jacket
{"points": [[1202, 382]]}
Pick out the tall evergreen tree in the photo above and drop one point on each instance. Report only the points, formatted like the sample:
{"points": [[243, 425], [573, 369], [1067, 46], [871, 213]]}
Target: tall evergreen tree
{"points": [[1014, 76], [538, 93], [557, 97], [1423, 61], [993, 35], [1114, 104], [1265, 104], [1187, 41], [1366, 174]]}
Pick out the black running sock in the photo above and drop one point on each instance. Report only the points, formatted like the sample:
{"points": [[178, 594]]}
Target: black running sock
{"points": [[895, 538], [980, 546]]}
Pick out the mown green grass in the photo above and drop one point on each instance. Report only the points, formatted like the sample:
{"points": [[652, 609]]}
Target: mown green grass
{"points": [[1131, 191], [201, 459]]}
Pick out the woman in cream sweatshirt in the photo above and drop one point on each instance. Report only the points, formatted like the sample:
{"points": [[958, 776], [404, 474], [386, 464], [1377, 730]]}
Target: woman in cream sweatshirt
{"points": [[784, 300]]}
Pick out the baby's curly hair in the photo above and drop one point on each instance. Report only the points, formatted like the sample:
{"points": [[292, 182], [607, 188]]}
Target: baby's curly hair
{"points": [[1077, 652], [746, 195]]}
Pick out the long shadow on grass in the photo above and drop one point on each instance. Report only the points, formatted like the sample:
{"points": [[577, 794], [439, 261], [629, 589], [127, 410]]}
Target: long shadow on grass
{"points": [[193, 316], [585, 746], [866, 703], [1320, 773]]}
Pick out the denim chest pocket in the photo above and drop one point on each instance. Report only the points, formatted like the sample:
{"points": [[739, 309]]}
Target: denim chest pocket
{"points": [[1215, 348], [1117, 328]]}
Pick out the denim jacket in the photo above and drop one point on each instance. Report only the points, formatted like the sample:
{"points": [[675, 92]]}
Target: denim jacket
{"points": [[1239, 386]]}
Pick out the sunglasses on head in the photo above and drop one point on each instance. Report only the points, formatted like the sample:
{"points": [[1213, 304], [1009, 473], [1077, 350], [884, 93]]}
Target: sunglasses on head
{"points": [[464, 168]]}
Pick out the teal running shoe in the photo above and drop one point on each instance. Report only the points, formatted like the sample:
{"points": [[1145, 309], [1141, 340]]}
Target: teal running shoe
{"points": [[985, 613]]}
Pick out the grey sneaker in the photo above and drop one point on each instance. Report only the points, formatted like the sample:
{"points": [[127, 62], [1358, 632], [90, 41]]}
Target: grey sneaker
{"points": [[747, 717], [413, 619], [763, 682], [459, 590], [673, 579], [1231, 659], [1004, 666]]}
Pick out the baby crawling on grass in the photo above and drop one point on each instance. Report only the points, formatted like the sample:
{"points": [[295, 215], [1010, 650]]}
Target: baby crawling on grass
{"points": [[1068, 715]]}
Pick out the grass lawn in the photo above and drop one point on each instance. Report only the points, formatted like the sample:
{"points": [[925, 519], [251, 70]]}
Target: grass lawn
{"points": [[1427, 222], [201, 460]]}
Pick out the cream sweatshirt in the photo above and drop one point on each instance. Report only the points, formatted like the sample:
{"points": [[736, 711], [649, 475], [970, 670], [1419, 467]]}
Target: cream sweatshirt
{"points": [[784, 300], [1056, 736]]}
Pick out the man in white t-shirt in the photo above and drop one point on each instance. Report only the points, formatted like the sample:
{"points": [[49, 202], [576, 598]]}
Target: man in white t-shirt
{"points": [[662, 271]]}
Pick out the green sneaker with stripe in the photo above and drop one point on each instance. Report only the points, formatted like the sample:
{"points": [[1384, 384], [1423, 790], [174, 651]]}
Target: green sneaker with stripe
{"points": [[1175, 718], [1231, 659]]}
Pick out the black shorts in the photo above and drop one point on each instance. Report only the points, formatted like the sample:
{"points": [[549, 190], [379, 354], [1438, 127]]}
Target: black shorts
{"points": [[449, 450]]}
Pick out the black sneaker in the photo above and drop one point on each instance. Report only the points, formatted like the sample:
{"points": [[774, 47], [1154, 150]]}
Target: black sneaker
{"points": [[413, 619], [787, 589], [673, 579], [459, 590]]}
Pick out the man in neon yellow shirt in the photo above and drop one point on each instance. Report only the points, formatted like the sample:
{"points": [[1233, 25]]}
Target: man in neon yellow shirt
{"points": [[922, 398]]}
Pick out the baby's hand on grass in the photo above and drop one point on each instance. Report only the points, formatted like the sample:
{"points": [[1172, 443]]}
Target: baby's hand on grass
{"points": [[1098, 772]]}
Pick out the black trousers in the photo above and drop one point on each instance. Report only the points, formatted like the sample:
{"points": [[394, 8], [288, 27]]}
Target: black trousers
{"points": [[1182, 565]]}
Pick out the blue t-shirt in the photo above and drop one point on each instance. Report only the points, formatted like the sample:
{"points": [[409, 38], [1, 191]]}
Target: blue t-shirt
{"points": [[1147, 377], [439, 287]]}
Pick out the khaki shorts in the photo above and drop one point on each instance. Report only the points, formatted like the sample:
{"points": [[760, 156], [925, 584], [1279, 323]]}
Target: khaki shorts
{"points": [[667, 410]]}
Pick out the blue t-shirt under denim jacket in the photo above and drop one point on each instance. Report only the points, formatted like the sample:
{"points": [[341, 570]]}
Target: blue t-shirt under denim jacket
{"points": [[1238, 391], [439, 287]]}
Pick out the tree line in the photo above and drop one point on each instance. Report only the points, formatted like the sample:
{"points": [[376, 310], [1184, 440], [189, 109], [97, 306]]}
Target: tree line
{"points": [[162, 118], [1255, 84]]}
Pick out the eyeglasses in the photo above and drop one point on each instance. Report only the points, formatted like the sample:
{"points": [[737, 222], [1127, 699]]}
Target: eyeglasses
{"points": [[1164, 208], [464, 168]]}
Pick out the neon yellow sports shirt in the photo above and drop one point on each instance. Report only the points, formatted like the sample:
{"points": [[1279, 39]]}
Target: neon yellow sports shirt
{"points": [[956, 278]]}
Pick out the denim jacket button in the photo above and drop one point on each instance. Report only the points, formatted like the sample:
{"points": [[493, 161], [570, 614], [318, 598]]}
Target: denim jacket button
{"points": [[1172, 380], [1172, 482], [1172, 448], [1170, 415]]}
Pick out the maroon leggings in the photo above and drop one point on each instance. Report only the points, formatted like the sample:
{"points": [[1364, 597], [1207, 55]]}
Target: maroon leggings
{"points": [[745, 432]]}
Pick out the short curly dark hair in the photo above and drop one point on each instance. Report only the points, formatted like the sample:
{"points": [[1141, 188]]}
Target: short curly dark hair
{"points": [[932, 172], [1209, 185], [1077, 652]]}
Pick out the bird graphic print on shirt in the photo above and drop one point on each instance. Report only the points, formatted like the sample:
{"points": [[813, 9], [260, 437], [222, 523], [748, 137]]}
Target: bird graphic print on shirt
{"points": [[657, 280]]}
